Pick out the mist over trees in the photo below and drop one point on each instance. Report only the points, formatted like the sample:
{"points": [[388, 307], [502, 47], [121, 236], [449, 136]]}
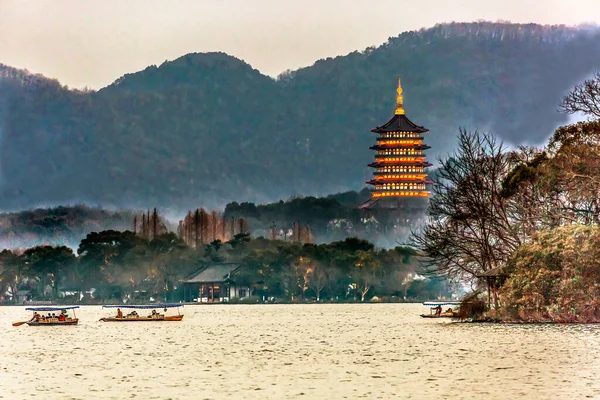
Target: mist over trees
{"points": [[298, 219], [208, 129]]}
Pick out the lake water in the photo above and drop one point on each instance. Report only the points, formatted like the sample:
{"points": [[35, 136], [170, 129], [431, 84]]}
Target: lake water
{"points": [[372, 351]]}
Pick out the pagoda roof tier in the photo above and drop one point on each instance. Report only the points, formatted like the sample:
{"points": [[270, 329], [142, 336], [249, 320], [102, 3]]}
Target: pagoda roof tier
{"points": [[399, 146], [399, 123], [379, 164], [399, 180]]}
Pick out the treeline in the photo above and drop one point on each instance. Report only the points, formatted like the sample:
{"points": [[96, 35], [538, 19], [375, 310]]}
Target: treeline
{"points": [[113, 266], [525, 222], [62, 225], [299, 219], [331, 218]]}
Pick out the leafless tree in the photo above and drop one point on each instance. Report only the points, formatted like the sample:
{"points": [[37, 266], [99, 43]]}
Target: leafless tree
{"points": [[584, 98], [470, 228]]}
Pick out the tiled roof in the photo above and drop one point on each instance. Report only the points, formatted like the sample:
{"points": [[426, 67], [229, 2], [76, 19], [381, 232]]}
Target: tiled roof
{"points": [[217, 272]]}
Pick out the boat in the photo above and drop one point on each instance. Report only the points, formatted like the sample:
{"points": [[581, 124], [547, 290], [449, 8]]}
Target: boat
{"points": [[435, 306], [42, 320], [135, 317]]}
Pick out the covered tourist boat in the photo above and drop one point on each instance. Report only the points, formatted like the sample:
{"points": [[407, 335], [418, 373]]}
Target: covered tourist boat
{"points": [[151, 316], [51, 318], [436, 309]]}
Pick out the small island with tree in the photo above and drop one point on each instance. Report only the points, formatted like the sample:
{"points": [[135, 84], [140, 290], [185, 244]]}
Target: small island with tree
{"points": [[523, 224]]}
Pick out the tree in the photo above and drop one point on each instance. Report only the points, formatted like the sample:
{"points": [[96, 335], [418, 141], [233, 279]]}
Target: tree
{"points": [[365, 273], [167, 263], [102, 257], [555, 276], [584, 98], [11, 272], [48, 262], [469, 229], [318, 279]]}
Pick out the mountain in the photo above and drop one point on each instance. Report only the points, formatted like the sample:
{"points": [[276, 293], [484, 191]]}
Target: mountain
{"points": [[206, 129]]}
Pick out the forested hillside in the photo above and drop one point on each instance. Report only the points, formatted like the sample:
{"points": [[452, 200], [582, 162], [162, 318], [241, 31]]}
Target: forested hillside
{"points": [[208, 129]]}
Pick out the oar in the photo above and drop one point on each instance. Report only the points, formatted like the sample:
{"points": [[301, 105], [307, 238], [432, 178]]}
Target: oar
{"points": [[19, 323]]}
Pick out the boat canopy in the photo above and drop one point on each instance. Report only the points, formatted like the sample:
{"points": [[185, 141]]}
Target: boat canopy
{"points": [[441, 303], [51, 308], [147, 306]]}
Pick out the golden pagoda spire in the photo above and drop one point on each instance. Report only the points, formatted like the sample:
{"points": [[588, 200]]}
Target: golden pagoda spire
{"points": [[399, 99]]}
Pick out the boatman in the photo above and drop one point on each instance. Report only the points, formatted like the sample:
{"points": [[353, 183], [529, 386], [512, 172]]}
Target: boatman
{"points": [[119, 313]]}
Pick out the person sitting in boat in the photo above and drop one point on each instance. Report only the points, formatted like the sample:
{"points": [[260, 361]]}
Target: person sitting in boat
{"points": [[62, 317], [119, 313], [438, 310], [154, 314], [36, 317], [449, 311]]}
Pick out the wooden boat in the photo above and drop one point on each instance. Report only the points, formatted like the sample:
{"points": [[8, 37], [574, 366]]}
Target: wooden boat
{"points": [[139, 319], [437, 305], [70, 321], [153, 317], [40, 320], [442, 315]]}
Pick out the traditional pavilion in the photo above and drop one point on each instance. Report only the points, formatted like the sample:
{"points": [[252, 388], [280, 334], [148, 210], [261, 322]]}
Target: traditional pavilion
{"points": [[215, 283], [399, 163]]}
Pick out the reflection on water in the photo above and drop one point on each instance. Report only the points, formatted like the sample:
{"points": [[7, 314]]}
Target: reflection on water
{"points": [[374, 351]]}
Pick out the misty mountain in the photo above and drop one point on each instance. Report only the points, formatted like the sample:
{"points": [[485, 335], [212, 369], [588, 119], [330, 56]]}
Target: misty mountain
{"points": [[206, 129]]}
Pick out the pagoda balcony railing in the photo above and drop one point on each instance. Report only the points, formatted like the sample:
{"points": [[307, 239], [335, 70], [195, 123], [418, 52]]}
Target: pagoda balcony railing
{"points": [[381, 181], [400, 188], [400, 193], [400, 135], [418, 147], [400, 156], [403, 143]]}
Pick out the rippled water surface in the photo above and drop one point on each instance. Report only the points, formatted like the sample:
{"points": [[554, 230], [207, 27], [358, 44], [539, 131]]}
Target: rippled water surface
{"points": [[373, 351]]}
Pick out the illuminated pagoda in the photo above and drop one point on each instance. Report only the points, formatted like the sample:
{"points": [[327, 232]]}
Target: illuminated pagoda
{"points": [[399, 163]]}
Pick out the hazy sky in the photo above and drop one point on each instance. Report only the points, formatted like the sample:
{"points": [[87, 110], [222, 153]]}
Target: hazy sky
{"points": [[93, 42]]}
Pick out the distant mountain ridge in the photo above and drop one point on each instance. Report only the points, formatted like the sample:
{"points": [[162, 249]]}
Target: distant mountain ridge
{"points": [[206, 129]]}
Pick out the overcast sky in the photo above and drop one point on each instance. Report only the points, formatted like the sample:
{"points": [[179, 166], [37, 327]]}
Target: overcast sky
{"points": [[91, 43]]}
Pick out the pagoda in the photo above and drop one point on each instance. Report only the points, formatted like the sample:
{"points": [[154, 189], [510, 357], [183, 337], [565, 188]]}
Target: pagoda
{"points": [[399, 163]]}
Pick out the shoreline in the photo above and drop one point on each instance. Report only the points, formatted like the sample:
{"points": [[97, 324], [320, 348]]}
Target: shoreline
{"points": [[220, 303]]}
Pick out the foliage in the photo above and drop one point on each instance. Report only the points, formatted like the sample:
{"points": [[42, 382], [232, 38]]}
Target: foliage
{"points": [[63, 225], [472, 306], [121, 266], [555, 277], [211, 126]]}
